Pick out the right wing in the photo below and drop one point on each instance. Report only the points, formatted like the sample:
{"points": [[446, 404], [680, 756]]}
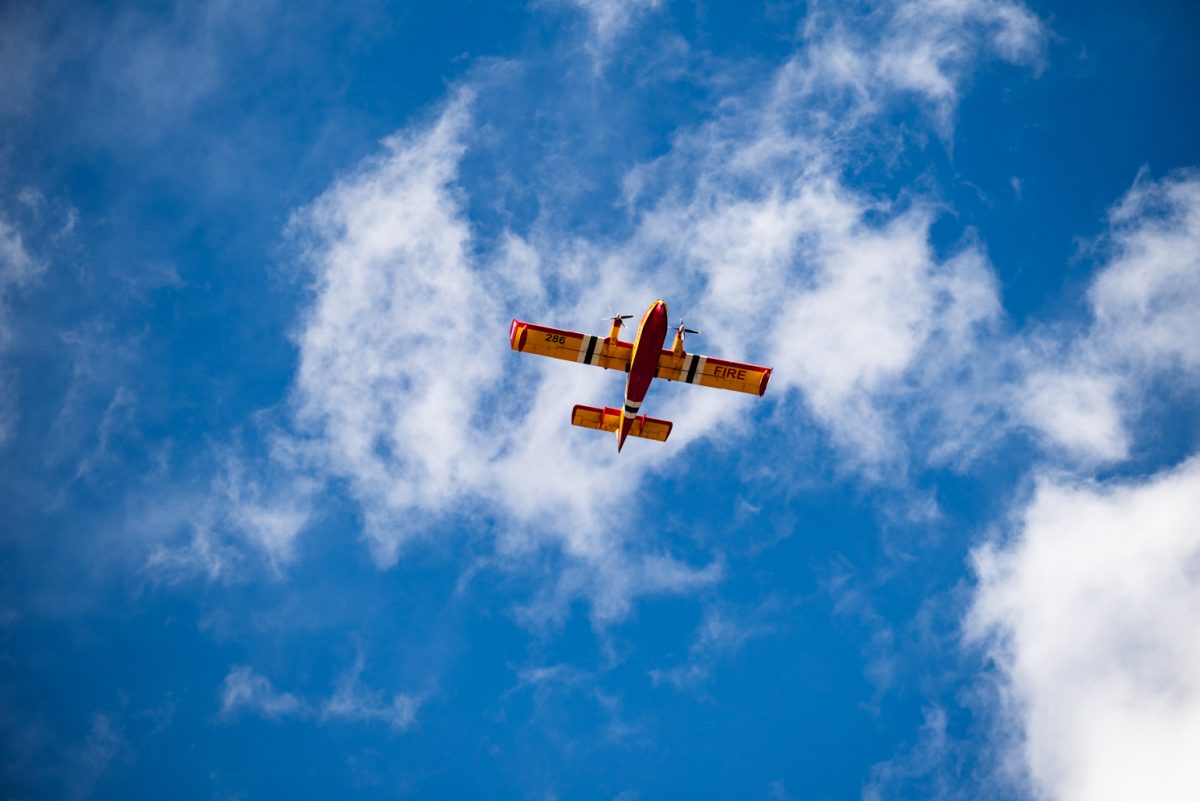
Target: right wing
{"points": [[571, 346], [709, 372]]}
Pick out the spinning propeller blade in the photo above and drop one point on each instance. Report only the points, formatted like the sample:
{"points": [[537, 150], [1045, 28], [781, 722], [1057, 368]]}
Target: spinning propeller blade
{"points": [[617, 319]]}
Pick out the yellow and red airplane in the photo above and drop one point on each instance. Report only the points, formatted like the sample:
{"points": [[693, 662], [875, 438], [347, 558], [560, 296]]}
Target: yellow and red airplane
{"points": [[644, 359]]}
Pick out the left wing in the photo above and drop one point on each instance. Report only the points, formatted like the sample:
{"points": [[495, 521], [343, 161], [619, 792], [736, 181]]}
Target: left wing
{"points": [[709, 372], [571, 346]]}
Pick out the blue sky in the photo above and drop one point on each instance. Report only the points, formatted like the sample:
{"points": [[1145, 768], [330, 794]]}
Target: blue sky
{"points": [[281, 513]]}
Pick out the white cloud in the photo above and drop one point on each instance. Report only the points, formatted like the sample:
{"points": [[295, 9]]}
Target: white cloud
{"points": [[157, 67], [1084, 392], [204, 554], [270, 515], [149, 66], [17, 269], [923, 48], [245, 690], [1145, 300], [1089, 614], [931, 44], [352, 701], [104, 745], [919, 772], [552, 686], [722, 632], [608, 19], [1079, 411], [391, 369], [242, 513]]}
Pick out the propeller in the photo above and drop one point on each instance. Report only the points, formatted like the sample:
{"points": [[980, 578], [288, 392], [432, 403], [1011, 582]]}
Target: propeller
{"points": [[617, 319], [682, 329]]}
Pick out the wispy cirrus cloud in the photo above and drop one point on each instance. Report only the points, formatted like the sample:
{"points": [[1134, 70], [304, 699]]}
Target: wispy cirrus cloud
{"points": [[152, 65], [104, 745], [352, 701], [244, 518], [245, 691], [723, 631], [17, 269], [249, 691], [922, 770], [607, 19]]}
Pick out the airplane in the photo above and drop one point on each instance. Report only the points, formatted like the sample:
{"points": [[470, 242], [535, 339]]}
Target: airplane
{"points": [[644, 359]]}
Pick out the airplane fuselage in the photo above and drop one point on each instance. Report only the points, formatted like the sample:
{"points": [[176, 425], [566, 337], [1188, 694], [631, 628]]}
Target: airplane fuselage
{"points": [[647, 347]]}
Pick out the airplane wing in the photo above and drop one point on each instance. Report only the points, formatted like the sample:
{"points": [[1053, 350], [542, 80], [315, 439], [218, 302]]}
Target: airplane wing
{"points": [[709, 372], [570, 345]]}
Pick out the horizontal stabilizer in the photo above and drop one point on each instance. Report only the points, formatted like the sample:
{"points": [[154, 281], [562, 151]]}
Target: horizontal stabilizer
{"points": [[608, 419]]}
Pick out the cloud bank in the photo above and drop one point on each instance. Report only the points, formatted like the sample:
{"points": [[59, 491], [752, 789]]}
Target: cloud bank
{"points": [[1089, 615]]}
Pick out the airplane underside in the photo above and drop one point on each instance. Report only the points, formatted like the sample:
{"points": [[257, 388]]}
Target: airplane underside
{"points": [[642, 360]]}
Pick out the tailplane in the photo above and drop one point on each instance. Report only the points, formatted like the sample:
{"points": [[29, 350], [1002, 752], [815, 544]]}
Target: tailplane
{"points": [[608, 419]]}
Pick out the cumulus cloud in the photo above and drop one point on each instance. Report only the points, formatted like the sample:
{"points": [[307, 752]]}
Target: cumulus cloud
{"points": [[1089, 614], [1083, 392]]}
